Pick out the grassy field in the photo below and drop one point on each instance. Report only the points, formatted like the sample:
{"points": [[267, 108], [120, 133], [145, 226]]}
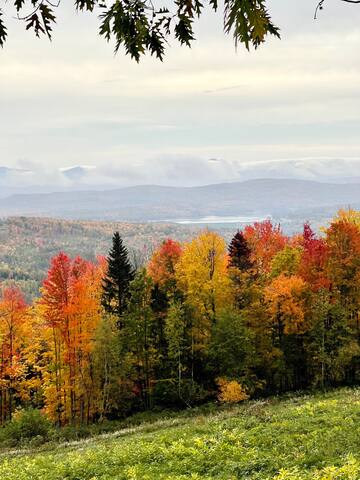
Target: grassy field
{"points": [[304, 437]]}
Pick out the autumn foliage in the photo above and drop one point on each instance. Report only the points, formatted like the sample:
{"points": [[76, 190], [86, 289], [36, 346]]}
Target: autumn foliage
{"points": [[200, 321], [231, 391], [70, 307]]}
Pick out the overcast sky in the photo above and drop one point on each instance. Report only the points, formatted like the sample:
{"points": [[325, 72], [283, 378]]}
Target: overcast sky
{"points": [[72, 102]]}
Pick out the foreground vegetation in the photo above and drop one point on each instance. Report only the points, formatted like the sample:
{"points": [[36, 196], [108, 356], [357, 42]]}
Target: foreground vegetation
{"points": [[203, 320], [299, 437]]}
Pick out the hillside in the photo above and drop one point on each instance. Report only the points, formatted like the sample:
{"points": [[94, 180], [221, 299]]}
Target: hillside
{"points": [[27, 244], [298, 438], [158, 203]]}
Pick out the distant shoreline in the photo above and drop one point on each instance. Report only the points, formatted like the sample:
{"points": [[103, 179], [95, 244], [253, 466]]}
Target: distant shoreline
{"points": [[214, 219]]}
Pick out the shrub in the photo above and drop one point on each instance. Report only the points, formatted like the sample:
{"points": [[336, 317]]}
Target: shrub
{"points": [[231, 391], [25, 425], [170, 394]]}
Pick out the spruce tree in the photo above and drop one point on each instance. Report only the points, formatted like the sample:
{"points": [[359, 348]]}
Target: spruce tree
{"points": [[118, 277], [239, 252]]}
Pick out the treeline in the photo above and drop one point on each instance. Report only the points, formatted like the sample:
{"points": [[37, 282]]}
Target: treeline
{"points": [[203, 320], [41, 239]]}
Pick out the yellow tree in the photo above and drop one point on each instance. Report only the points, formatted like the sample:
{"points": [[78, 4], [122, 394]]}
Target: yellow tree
{"points": [[13, 338], [343, 263], [202, 275], [286, 300], [350, 215], [286, 304]]}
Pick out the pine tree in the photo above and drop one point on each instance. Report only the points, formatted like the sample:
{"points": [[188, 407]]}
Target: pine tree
{"points": [[239, 252], [119, 275]]}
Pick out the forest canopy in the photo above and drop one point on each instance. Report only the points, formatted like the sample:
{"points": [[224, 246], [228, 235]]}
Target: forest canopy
{"points": [[202, 320]]}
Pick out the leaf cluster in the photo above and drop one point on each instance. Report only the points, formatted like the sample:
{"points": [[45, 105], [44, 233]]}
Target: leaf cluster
{"points": [[141, 26]]}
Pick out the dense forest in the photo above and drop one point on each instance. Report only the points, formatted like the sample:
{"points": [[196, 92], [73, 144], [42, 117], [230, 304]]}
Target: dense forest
{"points": [[201, 320], [27, 244]]}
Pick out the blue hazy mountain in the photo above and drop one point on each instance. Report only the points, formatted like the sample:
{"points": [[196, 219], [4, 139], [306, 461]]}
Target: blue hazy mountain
{"points": [[254, 198]]}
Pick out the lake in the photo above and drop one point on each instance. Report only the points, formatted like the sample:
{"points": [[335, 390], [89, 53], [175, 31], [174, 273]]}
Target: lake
{"points": [[213, 219]]}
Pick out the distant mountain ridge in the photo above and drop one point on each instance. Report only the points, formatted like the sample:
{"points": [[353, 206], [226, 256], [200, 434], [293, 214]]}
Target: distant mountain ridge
{"points": [[276, 197], [181, 170]]}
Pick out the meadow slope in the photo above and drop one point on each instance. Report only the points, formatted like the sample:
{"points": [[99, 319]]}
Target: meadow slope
{"points": [[305, 437]]}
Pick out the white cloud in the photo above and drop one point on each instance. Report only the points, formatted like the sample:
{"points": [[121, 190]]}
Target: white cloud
{"points": [[72, 102]]}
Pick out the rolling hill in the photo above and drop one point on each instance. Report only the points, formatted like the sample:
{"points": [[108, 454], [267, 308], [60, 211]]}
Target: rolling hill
{"points": [[158, 203], [27, 244]]}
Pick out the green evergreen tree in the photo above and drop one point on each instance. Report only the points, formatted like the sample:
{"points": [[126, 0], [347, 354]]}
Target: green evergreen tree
{"points": [[239, 252], [118, 277], [240, 268]]}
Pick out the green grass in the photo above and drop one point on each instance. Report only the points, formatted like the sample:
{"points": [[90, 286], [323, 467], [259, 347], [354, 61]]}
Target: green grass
{"points": [[305, 437]]}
